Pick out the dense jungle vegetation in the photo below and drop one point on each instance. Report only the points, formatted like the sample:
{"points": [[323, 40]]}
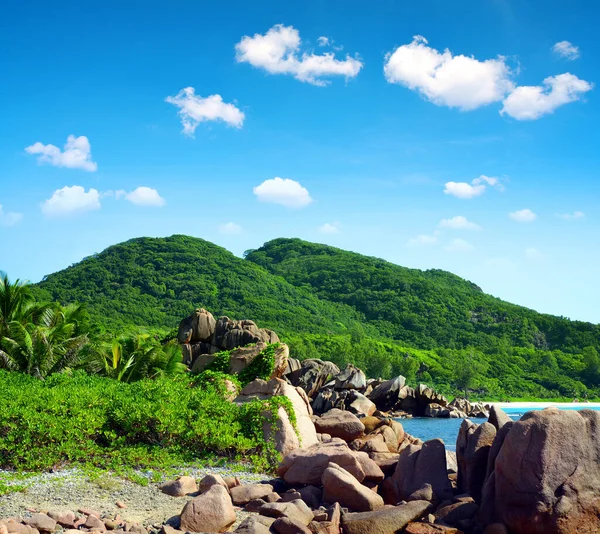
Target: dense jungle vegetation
{"points": [[338, 305]]}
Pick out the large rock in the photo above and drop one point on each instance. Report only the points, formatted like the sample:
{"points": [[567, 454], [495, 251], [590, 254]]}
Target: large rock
{"points": [[210, 512], [426, 395], [241, 495], [306, 466], [384, 521], [342, 487], [423, 464], [230, 334], [260, 389], [179, 487], [361, 405], [547, 474], [296, 510], [242, 357], [255, 525], [497, 417], [313, 375], [340, 424], [281, 431], [473, 445], [385, 395], [199, 326], [351, 378]]}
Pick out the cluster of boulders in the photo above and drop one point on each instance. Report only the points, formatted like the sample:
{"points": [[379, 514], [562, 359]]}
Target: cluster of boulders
{"points": [[540, 475], [201, 333], [350, 390], [69, 522]]}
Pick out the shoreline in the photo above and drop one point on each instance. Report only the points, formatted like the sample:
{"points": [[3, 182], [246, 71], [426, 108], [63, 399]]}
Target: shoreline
{"points": [[545, 404]]}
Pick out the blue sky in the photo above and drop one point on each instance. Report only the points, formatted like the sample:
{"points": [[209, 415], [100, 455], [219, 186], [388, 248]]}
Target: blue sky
{"points": [[472, 147]]}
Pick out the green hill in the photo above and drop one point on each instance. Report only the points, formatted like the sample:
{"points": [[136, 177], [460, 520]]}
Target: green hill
{"points": [[425, 309], [148, 282]]}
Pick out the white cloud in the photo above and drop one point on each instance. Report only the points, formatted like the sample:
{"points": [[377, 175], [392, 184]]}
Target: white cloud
{"points": [[463, 189], [476, 188], [142, 196], [533, 254], [71, 201], [330, 228], [530, 102], [9, 218], [194, 109], [458, 245], [446, 80], [323, 41], [459, 222], [570, 216], [524, 216], [283, 191], [77, 154], [566, 50], [422, 240], [230, 228], [278, 52]]}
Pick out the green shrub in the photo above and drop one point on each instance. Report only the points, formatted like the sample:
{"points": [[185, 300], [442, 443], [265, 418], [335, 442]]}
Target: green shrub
{"points": [[261, 367]]}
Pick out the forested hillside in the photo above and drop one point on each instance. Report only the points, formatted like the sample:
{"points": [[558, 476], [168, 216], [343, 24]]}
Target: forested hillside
{"points": [[150, 282], [431, 326], [426, 309]]}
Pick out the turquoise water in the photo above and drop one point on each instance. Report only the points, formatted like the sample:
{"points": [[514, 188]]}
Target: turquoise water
{"points": [[427, 428]]}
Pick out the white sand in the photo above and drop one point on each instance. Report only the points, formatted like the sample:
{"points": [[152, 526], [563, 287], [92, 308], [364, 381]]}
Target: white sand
{"points": [[563, 405]]}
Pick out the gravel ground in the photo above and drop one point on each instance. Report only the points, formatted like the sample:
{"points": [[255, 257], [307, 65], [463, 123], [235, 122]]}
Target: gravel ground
{"points": [[70, 489]]}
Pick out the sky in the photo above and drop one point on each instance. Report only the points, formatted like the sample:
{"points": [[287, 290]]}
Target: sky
{"points": [[451, 135]]}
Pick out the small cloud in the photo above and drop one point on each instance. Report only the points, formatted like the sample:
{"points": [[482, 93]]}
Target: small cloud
{"points": [[330, 228], [459, 245], [455, 81], [71, 201], [323, 41], [566, 50], [422, 240], [278, 52], [459, 223], [9, 218], [194, 109], [533, 254], [230, 228], [523, 216], [284, 191], [474, 189], [142, 196], [530, 102], [571, 216], [77, 154]]}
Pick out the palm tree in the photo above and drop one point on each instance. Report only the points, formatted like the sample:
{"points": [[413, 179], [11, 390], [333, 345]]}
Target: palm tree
{"points": [[132, 358], [50, 343]]}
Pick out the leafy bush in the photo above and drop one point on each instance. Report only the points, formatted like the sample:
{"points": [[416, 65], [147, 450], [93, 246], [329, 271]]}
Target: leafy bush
{"points": [[261, 367], [90, 419]]}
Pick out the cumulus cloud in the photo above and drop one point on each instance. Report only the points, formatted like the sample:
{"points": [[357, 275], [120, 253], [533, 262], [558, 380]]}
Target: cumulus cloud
{"points": [[330, 228], [459, 222], [458, 245], [77, 154], [230, 228], [446, 80], [278, 52], [194, 109], [323, 41], [533, 254], [9, 218], [72, 200], [571, 216], [474, 189], [283, 191], [523, 216], [142, 196], [422, 240], [530, 102], [566, 49]]}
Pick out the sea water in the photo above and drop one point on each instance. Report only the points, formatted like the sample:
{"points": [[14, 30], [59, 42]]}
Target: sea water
{"points": [[427, 428]]}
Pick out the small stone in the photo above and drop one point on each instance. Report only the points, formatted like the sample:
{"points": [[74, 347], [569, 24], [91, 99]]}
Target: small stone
{"points": [[88, 511], [94, 522], [41, 522], [120, 504]]}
